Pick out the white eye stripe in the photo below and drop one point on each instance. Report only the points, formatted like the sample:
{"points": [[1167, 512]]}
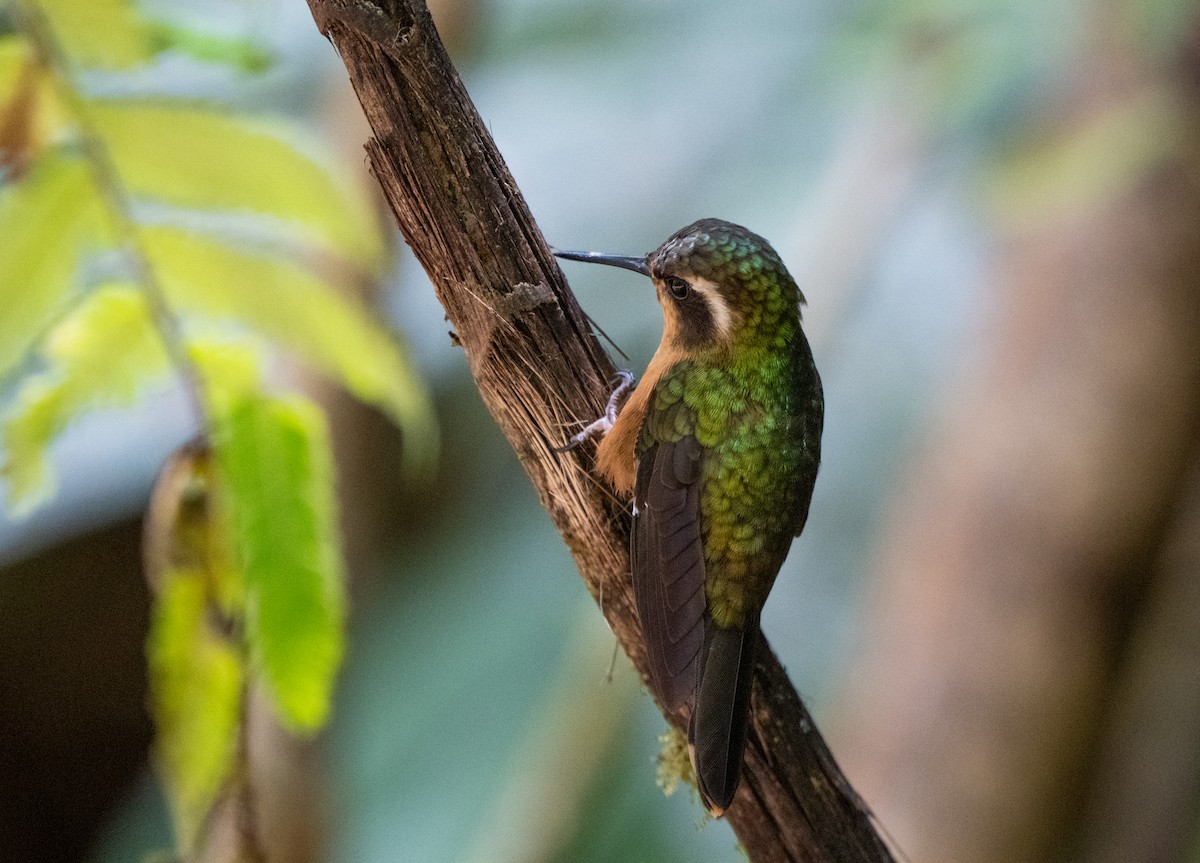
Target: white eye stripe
{"points": [[717, 307]]}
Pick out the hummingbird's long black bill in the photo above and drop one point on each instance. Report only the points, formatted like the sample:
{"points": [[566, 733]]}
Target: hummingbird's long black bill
{"points": [[625, 262]]}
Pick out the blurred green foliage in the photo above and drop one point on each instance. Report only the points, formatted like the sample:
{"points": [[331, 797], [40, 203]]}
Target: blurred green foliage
{"points": [[471, 658], [275, 463], [197, 684], [151, 236]]}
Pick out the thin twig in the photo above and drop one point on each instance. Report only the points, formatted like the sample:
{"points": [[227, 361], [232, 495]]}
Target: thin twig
{"points": [[31, 21]]}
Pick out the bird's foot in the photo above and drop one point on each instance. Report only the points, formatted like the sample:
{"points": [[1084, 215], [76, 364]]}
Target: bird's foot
{"points": [[606, 421]]}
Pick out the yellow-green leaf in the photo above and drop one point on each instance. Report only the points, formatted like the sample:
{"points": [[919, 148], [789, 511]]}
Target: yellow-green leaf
{"points": [[31, 114], [231, 368], [15, 55], [277, 468], [45, 221], [111, 34], [183, 529], [196, 691], [196, 674], [96, 357], [201, 158], [1085, 168], [292, 307]]}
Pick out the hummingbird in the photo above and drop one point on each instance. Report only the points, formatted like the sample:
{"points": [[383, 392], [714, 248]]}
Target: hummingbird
{"points": [[719, 446]]}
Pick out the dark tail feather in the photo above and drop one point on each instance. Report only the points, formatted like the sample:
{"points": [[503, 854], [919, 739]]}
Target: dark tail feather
{"points": [[717, 732]]}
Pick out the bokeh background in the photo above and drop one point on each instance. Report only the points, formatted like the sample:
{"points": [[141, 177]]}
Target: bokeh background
{"points": [[994, 612]]}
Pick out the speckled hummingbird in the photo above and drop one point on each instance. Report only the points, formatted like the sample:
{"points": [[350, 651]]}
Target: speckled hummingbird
{"points": [[719, 445]]}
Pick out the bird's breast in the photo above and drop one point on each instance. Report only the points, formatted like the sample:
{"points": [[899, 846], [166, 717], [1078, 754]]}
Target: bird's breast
{"points": [[616, 457]]}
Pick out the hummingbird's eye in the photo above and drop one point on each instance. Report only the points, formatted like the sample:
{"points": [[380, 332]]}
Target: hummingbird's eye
{"points": [[677, 287]]}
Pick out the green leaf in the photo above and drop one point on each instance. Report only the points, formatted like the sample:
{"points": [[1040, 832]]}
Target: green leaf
{"points": [[201, 158], [98, 356], [107, 33], [244, 55], [296, 310], [14, 55], [231, 367], [196, 691], [275, 459], [45, 221]]}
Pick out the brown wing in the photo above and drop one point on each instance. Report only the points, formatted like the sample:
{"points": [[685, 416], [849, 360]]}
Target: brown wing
{"points": [[668, 565]]}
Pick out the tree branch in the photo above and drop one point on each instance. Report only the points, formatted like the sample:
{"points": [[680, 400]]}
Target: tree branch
{"points": [[540, 369]]}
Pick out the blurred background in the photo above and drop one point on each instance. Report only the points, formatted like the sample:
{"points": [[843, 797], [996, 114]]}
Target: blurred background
{"points": [[994, 612]]}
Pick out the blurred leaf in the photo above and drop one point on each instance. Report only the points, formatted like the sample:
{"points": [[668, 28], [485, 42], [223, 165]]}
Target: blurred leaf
{"points": [[242, 54], [30, 113], [184, 529], [44, 220], [572, 735], [291, 306], [18, 104], [956, 65], [196, 675], [96, 357], [196, 687], [230, 366], [1083, 169], [115, 34], [277, 466], [199, 157], [1160, 26], [14, 55], [107, 33]]}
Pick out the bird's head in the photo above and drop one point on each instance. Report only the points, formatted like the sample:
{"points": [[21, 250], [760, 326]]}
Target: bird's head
{"points": [[720, 286]]}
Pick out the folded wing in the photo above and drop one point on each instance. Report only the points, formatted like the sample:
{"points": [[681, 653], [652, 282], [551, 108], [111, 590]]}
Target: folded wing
{"points": [[668, 565]]}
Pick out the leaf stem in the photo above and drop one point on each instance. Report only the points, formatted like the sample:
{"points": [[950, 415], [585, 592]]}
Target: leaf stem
{"points": [[31, 21]]}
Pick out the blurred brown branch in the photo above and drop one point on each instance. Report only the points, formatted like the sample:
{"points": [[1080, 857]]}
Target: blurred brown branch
{"points": [[539, 369], [1018, 563], [1144, 793]]}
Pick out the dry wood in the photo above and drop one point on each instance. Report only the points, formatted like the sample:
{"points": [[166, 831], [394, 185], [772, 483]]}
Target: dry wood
{"points": [[540, 370]]}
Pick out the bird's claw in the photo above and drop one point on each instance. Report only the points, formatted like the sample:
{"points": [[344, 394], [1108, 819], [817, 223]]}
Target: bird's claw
{"points": [[602, 425]]}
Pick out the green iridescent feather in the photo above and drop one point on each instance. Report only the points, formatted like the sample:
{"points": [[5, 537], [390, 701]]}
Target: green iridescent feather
{"points": [[759, 458], [755, 408]]}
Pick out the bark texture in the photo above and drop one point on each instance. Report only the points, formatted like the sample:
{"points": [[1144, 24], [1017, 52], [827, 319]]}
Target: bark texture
{"points": [[540, 370]]}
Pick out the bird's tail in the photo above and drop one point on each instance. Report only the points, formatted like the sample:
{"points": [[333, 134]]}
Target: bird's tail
{"points": [[717, 732]]}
